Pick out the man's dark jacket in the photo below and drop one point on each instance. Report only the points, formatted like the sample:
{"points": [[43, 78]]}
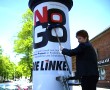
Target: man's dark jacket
{"points": [[86, 59]]}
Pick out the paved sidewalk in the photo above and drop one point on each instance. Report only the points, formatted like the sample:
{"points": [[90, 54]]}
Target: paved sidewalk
{"points": [[79, 88]]}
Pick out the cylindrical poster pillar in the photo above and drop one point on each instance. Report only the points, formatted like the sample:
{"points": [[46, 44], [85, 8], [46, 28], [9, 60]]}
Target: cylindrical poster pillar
{"points": [[48, 62]]}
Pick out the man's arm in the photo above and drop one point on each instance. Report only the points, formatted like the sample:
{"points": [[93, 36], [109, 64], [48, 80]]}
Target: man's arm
{"points": [[72, 52]]}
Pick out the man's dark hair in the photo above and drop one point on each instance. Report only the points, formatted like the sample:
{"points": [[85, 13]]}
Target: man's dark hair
{"points": [[83, 33]]}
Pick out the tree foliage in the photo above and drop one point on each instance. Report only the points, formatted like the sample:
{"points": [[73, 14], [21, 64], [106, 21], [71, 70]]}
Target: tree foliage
{"points": [[6, 67], [23, 43]]}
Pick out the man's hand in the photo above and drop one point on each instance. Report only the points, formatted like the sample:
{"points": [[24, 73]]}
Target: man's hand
{"points": [[61, 48]]}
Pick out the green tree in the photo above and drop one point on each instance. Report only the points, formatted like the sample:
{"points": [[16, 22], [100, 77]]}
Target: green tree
{"points": [[6, 66], [23, 43], [18, 71]]}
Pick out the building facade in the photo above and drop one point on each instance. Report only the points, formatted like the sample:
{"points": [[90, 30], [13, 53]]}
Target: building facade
{"points": [[101, 43]]}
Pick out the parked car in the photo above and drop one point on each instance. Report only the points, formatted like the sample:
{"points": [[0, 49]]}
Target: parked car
{"points": [[9, 86], [26, 86], [2, 87]]}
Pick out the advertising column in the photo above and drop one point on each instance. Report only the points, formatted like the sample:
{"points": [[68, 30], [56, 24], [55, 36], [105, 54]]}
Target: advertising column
{"points": [[48, 62]]}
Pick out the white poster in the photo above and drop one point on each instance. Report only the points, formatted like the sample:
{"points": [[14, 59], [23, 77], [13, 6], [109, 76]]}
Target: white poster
{"points": [[48, 62]]}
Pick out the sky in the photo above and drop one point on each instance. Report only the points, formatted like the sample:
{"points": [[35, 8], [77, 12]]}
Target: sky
{"points": [[91, 15]]}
